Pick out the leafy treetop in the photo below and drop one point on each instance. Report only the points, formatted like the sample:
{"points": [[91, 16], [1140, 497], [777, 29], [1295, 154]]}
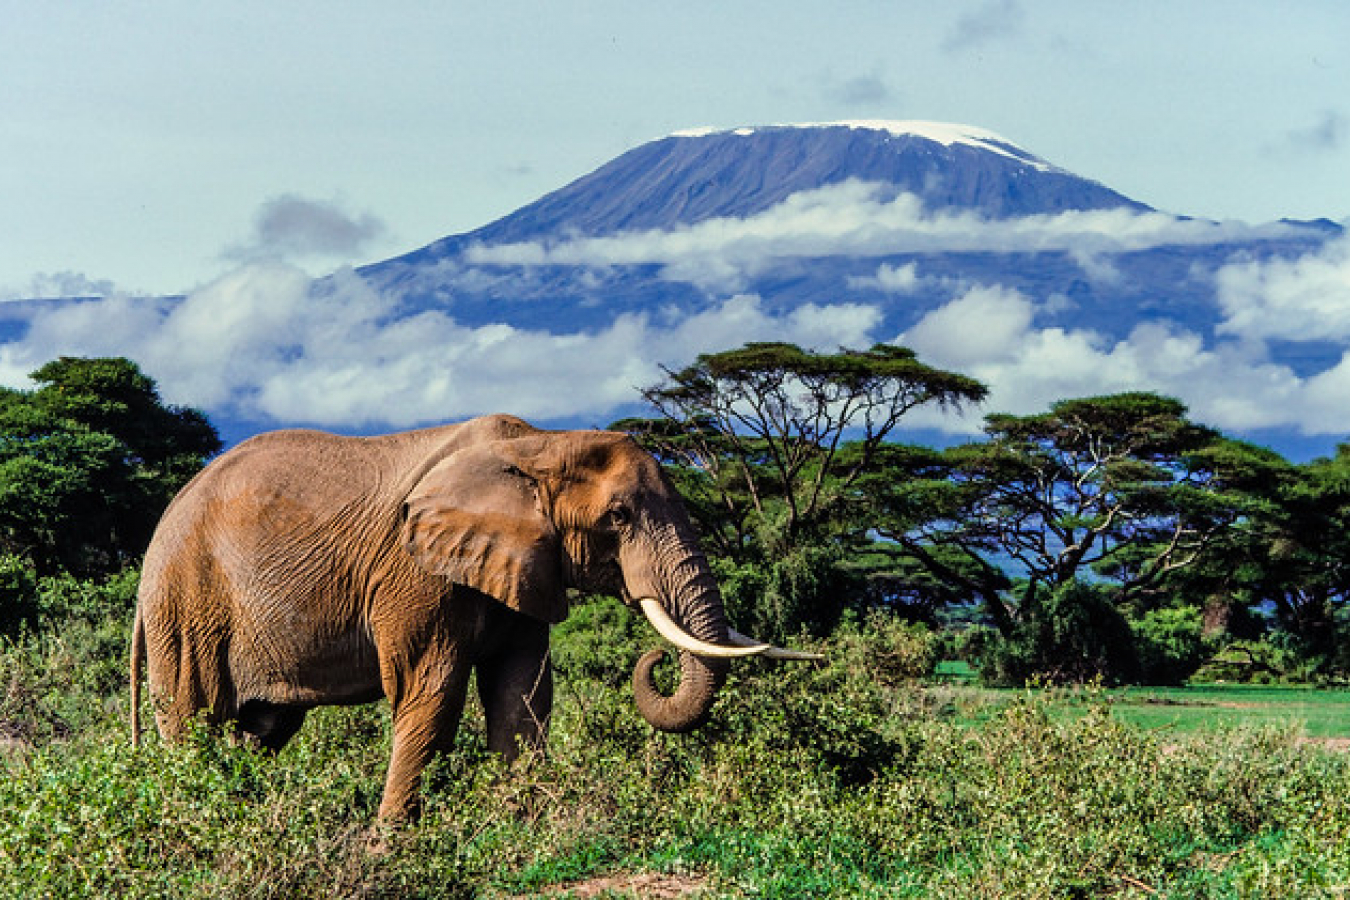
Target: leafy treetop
{"points": [[88, 461]]}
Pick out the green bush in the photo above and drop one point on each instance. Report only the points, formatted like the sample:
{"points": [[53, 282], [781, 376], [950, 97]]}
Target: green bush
{"points": [[18, 593], [64, 597], [890, 650], [845, 778], [600, 640], [1270, 659], [799, 590], [1170, 644], [60, 673], [1073, 635]]}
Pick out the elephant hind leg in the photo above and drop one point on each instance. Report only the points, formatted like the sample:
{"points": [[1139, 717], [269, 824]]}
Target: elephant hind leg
{"points": [[270, 725], [186, 683]]}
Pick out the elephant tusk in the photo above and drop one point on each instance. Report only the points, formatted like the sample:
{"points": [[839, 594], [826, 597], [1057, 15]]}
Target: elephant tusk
{"points": [[773, 652], [669, 629]]}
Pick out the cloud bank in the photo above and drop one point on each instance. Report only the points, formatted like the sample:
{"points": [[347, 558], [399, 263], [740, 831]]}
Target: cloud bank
{"points": [[263, 343], [862, 219], [1229, 380], [266, 344]]}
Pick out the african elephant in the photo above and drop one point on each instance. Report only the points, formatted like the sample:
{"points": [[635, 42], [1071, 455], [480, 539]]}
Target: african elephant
{"points": [[303, 569]]}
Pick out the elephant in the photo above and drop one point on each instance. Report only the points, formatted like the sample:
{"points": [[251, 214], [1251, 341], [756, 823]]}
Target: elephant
{"points": [[302, 569]]}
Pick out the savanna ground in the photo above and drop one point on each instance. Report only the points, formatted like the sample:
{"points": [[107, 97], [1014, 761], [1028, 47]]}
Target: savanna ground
{"points": [[843, 779]]}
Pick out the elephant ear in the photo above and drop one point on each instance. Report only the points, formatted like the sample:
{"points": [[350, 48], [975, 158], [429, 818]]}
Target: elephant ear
{"points": [[476, 519]]}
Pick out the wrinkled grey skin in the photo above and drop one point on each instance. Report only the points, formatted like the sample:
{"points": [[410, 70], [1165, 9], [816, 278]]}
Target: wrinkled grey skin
{"points": [[303, 569]]}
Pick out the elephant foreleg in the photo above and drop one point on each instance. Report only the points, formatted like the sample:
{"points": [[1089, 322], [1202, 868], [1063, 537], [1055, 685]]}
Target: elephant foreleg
{"points": [[426, 716], [516, 688]]}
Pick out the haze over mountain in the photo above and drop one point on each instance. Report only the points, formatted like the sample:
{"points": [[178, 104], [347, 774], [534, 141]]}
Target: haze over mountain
{"points": [[946, 238]]}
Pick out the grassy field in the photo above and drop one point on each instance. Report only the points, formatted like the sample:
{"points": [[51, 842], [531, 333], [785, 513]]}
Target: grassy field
{"points": [[1318, 714], [1313, 713], [837, 780]]}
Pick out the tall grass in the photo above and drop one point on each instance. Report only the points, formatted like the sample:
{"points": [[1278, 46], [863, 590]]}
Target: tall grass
{"points": [[844, 780]]}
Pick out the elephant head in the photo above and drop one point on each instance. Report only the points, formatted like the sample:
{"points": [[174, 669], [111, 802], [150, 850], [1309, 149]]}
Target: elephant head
{"points": [[524, 518]]}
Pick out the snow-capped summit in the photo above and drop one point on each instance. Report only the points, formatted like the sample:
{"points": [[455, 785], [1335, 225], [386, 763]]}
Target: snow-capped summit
{"points": [[695, 175], [945, 133]]}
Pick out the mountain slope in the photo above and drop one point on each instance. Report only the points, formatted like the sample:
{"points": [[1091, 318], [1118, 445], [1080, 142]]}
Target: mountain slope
{"points": [[978, 254]]}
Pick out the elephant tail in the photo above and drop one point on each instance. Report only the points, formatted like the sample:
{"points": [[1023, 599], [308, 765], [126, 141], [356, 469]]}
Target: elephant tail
{"points": [[137, 661]]}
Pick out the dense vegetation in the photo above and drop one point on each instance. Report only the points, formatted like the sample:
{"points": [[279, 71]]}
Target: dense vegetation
{"points": [[1105, 539], [846, 780]]}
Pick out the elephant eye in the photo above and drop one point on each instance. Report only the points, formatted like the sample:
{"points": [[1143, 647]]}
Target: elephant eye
{"points": [[619, 517]]}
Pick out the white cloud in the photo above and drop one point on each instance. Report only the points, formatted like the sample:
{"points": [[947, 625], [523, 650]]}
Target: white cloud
{"points": [[259, 343], [49, 285], [1301, 299], [891, 279], [263, 343], [990, 333], [982, 327], [863, 219]]}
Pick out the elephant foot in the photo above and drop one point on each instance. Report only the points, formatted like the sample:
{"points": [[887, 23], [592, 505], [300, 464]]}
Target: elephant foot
{"points": [[379, 840]]}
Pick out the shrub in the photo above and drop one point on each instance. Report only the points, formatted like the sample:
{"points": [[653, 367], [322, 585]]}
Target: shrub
{"points": [[64, 597], [18, 593], [887, 648], [819, 779], [600, 640], [1073, 635], [775, 599], [1269, 659], [1170, 644]]}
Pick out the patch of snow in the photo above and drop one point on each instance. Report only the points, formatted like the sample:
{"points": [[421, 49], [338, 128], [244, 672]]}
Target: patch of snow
{"points": [[945, 133]]}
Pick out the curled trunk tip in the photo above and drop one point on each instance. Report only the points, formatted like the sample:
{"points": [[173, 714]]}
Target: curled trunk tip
{"points": [[687, 708]]}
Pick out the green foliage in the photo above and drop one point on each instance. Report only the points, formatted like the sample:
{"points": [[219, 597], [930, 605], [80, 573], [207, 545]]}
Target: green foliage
{"points": [[804, 587], [769, 442], [1120, 490], [1170, 644], [847, 779], [885, 649], [1074, 635], [598, 641], [18, 593], [1292, 557], [59, 671], [88, 461], [1270, 659]]}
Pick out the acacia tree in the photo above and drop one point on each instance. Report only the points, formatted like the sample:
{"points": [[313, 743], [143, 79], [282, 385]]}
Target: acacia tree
{"points": [[1292, 557], [1124, 487], [769, 442]]}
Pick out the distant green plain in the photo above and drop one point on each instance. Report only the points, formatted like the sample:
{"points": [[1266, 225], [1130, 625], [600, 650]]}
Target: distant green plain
{"points": [[1316, 713], [1321, 713]]}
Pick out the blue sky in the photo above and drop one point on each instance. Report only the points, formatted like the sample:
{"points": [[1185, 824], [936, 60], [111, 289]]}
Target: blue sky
{"points": [[157, 146]]}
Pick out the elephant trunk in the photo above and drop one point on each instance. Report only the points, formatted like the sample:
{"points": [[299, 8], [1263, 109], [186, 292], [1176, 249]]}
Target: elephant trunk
{"points": [[701, 677], [686, 709], [683, 603]]}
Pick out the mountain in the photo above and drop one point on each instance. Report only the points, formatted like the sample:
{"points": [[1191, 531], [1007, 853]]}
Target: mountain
{"points": [[693, 176], [700, 176], [988, 213], [951, 239]]}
